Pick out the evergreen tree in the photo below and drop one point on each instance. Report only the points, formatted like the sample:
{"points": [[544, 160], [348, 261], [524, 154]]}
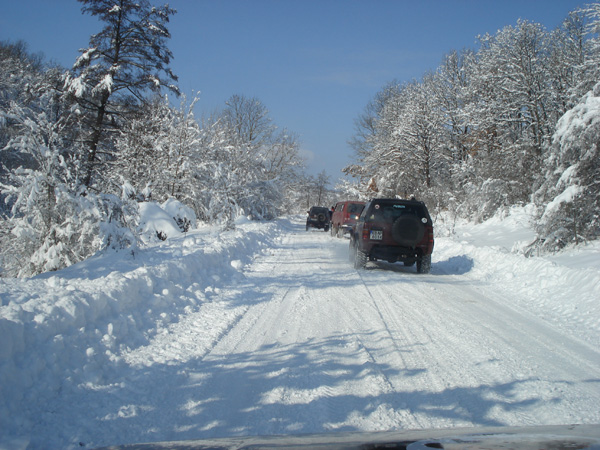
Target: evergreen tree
{"points": [[125, 60]]}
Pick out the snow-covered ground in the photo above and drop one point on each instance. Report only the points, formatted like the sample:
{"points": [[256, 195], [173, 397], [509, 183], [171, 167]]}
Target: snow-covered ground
{"points": [[267, 329]]}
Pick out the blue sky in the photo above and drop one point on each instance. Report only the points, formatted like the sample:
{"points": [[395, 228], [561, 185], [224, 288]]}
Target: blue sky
{"points": [[315, 64]]}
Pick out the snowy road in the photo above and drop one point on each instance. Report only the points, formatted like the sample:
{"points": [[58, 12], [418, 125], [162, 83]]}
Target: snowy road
{"points": [[330, 348], [318, 346], [301, 342]]}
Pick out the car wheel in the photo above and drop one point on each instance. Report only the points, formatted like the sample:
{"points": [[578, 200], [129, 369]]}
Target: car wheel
{"points": [[424, 264], [408, 230], [340, 232]]}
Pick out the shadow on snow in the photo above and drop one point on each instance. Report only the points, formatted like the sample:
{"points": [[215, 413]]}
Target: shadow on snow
{"points": [[289, 389]]}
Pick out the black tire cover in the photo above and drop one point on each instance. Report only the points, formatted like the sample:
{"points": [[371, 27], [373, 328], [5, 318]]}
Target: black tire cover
{"points": [[321, 217], [408, 230]]}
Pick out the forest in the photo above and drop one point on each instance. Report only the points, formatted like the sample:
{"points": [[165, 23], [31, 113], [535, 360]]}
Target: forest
{"points": [[515, 121], [81, 147]]}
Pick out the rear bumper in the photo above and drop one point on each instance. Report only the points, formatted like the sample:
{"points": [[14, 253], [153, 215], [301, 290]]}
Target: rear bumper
{"points": [[394, 253], [316, 224]]}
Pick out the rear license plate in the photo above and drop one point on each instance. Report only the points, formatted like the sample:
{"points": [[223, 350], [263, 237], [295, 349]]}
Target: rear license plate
{"points": [[376, 235]]}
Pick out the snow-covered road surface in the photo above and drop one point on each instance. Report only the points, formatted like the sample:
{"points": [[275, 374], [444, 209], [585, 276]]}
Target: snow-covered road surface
{"points": [[295, 340]]}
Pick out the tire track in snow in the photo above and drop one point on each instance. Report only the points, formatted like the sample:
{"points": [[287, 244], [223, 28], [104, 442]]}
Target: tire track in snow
{"points": [[399, 351], [261, 342], [337, 367], [507, 355], [441, 365]]}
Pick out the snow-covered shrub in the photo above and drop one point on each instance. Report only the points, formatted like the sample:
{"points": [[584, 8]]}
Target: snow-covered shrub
{"points": [[482, 201], [156, 224], [118, 222], [43, 236], [184, 216], [45, 227], [261, 200]]}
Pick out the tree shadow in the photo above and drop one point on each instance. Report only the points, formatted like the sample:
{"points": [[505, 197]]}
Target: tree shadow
{"points": [[305, 387]]}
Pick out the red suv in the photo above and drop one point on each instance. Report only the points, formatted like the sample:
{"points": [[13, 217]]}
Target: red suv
{"points": [[393, 230], [345, 216]]}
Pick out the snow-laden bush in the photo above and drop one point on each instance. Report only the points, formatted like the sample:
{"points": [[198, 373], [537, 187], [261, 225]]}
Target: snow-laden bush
{"points": [[43, 236], [156, 224], [184, 216], [483, 200], [119, 221]]}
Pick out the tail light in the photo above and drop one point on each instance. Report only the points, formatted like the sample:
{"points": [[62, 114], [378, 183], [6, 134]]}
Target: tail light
{"points": [[365, 234], [429, 237]]}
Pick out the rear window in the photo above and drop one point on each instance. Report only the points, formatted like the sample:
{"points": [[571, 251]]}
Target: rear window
{"points": [[388, 212], [355, 208]]}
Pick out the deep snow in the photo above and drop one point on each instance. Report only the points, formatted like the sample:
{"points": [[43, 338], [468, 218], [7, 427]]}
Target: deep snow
{"points": [[267, 329]]}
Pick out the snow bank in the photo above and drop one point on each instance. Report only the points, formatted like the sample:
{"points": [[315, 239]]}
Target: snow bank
{"points": [[62, 328]]}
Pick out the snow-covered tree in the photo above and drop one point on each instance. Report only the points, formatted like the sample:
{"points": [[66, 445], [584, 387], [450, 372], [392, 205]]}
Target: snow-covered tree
{"points": [[511, 117], [366, 125], [407, 150], [249, 119], [18, 69], [476, 133], [590, 67], [20, 75], [243, 164], [570, 197], [156, 147], [420, 135], [125, 60], [230, 177], [320, 187], [50, 224], [569, 50], [141, 155]]}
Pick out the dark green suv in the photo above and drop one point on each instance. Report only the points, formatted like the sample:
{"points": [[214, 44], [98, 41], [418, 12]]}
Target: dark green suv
{"points": [[393, 230], [318, 217]]}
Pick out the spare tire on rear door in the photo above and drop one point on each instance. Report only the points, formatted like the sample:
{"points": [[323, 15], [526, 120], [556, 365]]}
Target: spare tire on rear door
{"points": [[408, 230]]}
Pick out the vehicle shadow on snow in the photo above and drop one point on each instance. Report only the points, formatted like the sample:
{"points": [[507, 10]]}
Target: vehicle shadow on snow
{"points": [[305, 387], [456, 265]]}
